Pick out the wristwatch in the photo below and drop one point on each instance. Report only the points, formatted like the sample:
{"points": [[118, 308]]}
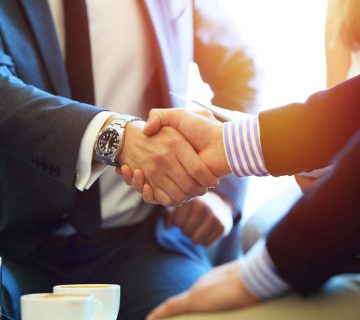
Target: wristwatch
{"points": [[110, 140]]}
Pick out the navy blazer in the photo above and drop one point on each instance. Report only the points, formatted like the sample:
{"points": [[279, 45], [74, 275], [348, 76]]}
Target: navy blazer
{"points": [[41, 127], [320, 236]]}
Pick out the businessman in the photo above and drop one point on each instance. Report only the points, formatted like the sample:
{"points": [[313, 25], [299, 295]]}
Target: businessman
{"points": [[321, 228], [70, 72]]}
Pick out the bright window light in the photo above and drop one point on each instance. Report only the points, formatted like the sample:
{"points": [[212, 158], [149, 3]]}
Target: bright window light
{"points": [[287, 38]]}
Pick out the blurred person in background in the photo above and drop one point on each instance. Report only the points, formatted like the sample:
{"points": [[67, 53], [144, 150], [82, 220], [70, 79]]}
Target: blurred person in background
{"points": [[342, 45]]}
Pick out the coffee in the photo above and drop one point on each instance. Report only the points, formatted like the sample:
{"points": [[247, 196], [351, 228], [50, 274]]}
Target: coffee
{"points": [[62, 296], [87, 285]]}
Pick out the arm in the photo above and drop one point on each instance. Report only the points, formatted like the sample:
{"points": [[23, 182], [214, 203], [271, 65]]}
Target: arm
{"points": [[48, 123], [330, 117], [225, 62], [30, 122], [322, 230], [322, 227], [338, 56]]}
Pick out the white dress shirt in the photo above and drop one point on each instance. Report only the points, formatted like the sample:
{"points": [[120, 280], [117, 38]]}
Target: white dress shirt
{"points": [[122, 67]]}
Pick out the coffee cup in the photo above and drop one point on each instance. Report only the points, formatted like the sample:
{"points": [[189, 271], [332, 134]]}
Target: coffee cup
{"points": [[107, 294], [45, 306]]}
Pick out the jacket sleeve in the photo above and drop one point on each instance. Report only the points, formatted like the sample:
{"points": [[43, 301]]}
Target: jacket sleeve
{"points": [[224, 61], [306, 136], [320, 237], [41, 129]]}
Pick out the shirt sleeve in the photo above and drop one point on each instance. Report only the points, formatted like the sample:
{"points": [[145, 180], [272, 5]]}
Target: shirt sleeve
{"points": [[243, 147], [259, 273], [87, 171]]}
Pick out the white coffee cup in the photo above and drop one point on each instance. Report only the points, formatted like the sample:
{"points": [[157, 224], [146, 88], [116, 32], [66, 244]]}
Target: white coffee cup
{"points": [[45, 306], [107, 294]]}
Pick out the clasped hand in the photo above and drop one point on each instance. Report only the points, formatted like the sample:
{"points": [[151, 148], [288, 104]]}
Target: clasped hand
{"points": [[176, 156]]}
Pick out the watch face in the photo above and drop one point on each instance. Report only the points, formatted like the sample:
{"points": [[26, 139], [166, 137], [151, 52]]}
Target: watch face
{"points": [[109, 142]]}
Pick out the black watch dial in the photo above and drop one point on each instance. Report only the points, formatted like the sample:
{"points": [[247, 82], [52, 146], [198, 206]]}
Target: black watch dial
{"points": [[108, 142]]}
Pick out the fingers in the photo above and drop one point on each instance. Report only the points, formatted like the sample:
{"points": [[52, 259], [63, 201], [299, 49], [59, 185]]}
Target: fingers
{"points": [[196, 168], [173, 306], [161, 117], [204, 231], [126, 173], [217, 232], [138, 180], [148, 194], [180, 215], [163, 198], [184, 180], [197, 221]]}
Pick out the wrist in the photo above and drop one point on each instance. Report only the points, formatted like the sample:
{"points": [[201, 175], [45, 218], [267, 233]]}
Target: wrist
{"points": [[111, 139], [106, 124], [132, 130]]}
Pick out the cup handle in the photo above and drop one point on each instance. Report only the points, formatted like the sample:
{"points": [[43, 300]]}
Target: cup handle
{"points": [[98, 308]]}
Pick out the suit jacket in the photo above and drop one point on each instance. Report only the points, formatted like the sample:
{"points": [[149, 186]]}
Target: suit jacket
{"points": [[41, 127], [319, 237]]}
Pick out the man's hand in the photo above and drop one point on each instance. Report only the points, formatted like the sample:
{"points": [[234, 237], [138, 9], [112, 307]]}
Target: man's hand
{"points": [[220, 289], [203, 220], [201, 129], [168, 162]]}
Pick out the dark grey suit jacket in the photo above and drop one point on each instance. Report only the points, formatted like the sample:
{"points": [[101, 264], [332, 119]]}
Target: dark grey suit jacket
{"points": [[320, 236], [41, 127]]}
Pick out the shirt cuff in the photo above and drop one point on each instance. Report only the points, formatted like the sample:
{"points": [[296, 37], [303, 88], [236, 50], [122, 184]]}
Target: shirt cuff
{"points": [[243, 147], [87, 171], [259, 273]]}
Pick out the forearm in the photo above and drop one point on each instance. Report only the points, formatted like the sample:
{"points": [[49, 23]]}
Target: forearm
{"points": [[37, 125], [305, 136], [322, 228], [224, 59]]}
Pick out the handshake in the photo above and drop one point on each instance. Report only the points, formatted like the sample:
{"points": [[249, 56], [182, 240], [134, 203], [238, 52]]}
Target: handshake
{"points": [[174, 157]]}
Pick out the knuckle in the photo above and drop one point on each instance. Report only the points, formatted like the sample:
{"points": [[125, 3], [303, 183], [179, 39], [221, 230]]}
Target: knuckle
{"points": [[189, 187], [195, 239], [162, 158], [201, 192], [172, 142], [179, 197], [167, 202], [196, 169]]}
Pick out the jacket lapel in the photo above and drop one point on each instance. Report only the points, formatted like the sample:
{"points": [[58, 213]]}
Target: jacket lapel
{"points": [[171, 22], [39, 15], [152, 9]]}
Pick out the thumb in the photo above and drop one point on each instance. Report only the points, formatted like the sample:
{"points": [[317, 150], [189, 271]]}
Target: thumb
{"points": [[172, 306], [159, 118], [153, 123]]}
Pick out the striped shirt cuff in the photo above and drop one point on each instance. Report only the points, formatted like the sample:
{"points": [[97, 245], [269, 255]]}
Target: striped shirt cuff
{"points": [[243, 147], [259, 273]]}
